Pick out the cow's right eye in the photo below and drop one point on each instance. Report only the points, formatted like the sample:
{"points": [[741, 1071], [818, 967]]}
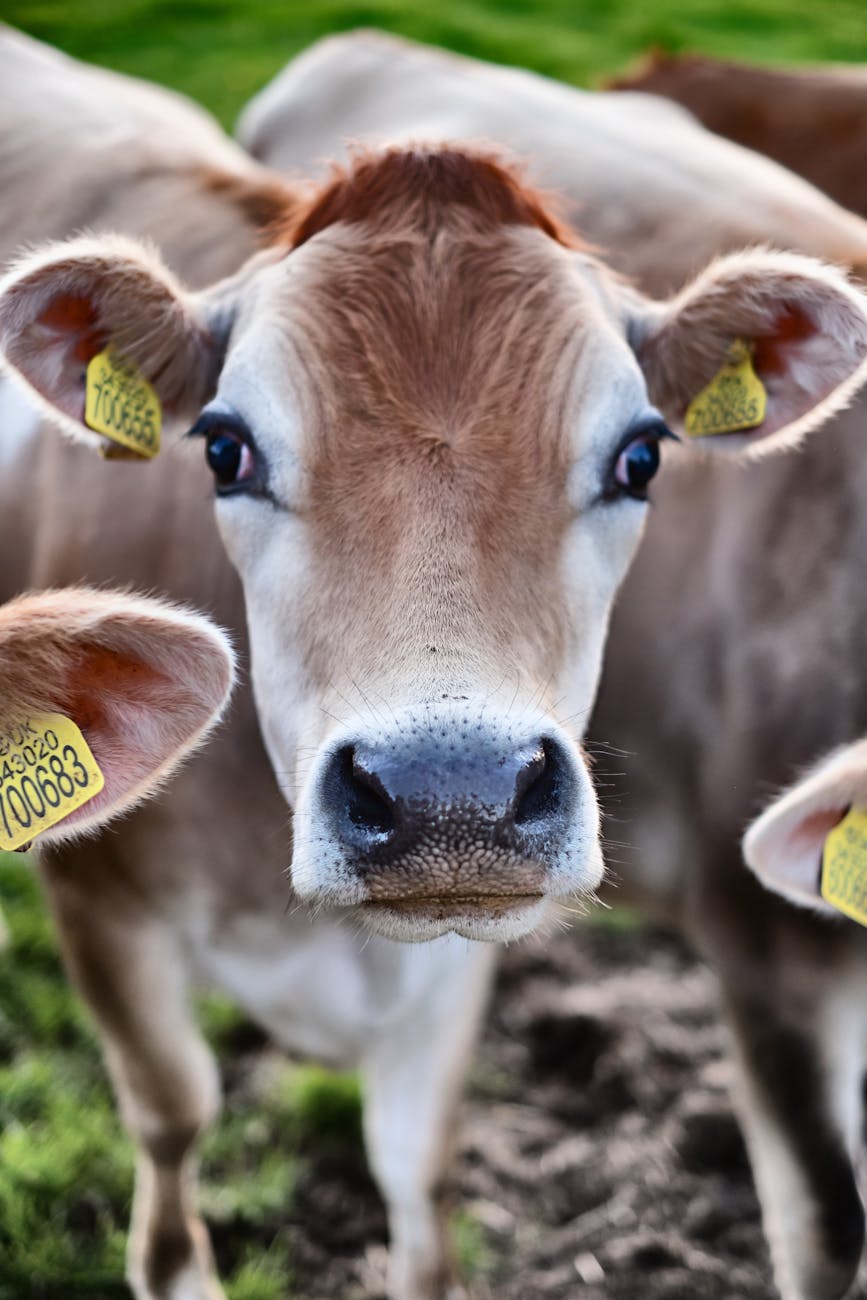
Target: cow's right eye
{"points": [[229, 456]]}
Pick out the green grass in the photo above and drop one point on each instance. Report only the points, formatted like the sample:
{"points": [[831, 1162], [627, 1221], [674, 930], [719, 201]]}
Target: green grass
{"points": [[222, 51], [65, 1166]]}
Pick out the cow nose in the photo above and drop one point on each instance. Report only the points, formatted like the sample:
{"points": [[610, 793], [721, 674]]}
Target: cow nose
{"points": [[388, 799]]}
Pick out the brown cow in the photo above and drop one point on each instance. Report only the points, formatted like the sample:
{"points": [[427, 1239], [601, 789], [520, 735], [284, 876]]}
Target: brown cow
{"points": [[431, 418], [813, 120], [736, 648]]}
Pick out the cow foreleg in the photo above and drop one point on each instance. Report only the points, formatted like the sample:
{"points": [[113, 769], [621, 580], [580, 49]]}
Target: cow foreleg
{"points": [[412, 1075], [799, 1096], [130, 972]]}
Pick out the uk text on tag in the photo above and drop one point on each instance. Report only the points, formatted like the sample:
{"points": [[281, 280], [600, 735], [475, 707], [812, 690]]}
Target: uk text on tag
{"points": [[46, 772], [120, 403], [735, 398], [844, 866]]}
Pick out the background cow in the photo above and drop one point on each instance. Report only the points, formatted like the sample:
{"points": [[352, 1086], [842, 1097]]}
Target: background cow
{"points": [[736, 648], [813, 120]]}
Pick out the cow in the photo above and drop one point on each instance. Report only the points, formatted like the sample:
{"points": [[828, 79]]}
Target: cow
{"points": [[735, 653], [430, 514], [142, 681], [811, 119], [785, 845]]}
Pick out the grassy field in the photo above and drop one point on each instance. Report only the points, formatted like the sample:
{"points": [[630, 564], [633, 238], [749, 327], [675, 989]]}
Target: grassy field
{"points": [[65, 1168]]}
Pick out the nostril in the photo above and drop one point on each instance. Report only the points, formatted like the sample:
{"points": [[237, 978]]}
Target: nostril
{"points": [[367, 805], [537, 788]]}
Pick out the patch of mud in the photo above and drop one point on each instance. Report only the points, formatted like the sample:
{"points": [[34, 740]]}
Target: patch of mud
{"points": [[598, 1149]]}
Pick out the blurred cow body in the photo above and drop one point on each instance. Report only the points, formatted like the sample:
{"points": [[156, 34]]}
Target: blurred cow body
{"points": [[813, 120], [606, 153], [736, 647]]}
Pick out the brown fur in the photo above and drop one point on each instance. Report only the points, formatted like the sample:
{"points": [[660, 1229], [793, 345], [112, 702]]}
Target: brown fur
{"points": [[385, 186], [434, 429]]}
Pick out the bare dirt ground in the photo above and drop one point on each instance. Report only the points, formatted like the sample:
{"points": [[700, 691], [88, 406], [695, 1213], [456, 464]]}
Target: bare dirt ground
{"points": [[598, 1149]]}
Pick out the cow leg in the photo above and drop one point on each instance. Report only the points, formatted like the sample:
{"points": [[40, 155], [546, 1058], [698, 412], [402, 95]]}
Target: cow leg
{"points": [[798, 1091], [127, 965], [412, 1074]]}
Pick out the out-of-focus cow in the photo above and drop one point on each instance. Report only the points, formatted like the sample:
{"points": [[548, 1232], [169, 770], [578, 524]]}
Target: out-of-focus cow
{"points": [[736, 647], [431, 417], [142, 681], [812, 119]]}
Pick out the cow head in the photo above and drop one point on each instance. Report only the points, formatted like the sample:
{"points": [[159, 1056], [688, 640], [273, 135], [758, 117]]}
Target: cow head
{"points": [[432, 419]]}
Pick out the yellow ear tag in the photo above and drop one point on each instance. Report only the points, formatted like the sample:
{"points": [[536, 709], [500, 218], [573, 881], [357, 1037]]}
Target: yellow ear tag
{"points": [[844, 866], [120, 403], [734, 399], [46, 772]]}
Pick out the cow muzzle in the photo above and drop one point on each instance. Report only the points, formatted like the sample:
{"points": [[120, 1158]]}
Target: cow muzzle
{"points": [[443, 823]]}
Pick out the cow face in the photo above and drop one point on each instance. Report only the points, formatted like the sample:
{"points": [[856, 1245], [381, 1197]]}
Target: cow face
{"points": [[432, 420]]}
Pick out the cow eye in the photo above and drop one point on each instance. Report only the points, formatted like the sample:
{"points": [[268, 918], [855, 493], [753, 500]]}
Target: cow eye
{"points": [[229, 456], [638, 460]]}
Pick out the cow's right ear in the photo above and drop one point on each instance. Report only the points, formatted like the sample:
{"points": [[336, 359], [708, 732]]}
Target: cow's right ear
{"points": [[784, 846], [62, 305]]}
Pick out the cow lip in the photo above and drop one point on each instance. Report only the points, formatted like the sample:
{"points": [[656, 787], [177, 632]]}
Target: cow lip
{"points": [[455, 905]]}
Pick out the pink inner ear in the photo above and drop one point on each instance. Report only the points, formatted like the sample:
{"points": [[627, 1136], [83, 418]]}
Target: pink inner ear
{"points": [[812, 831], [769, 352], [123, 708], [70, 314]]}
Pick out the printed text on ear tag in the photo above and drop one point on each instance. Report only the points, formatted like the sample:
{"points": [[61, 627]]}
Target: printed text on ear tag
{"points": [[844, 866], [46, 772], [734, 399], [120, 403]]}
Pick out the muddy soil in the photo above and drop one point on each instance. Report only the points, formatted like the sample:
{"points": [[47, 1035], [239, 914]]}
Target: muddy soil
{"points": [[598, 1149]]}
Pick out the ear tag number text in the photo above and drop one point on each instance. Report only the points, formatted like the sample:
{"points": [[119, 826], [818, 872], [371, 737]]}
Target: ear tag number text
{"points": [[844, 866], [120, 403], [47, 771], [735, 399]]}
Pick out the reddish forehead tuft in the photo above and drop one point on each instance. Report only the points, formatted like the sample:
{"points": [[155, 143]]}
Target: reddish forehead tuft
{"points": [[410, 186]]}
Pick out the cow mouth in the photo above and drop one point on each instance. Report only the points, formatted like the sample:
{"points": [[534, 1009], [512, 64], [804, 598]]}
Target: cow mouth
{"points": [[442, 907]]}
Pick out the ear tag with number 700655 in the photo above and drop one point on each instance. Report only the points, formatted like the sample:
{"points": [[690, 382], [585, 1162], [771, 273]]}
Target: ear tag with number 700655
{"points": [[120, 403]]}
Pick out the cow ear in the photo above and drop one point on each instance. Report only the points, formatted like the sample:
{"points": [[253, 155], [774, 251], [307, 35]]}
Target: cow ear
{"points": [[761, 348], [784, 845], [61, 306], [143, 680]]}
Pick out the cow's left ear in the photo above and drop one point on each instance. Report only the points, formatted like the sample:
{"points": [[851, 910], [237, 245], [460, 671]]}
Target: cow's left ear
{"points": [[784, 846], [758, 350]]}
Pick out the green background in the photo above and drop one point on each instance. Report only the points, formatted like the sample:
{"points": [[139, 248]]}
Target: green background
{"points": [[65, 1168]]}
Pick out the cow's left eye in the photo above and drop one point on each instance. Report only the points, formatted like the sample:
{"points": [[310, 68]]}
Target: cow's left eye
{"points": [[230, 458], [638, 461]]}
